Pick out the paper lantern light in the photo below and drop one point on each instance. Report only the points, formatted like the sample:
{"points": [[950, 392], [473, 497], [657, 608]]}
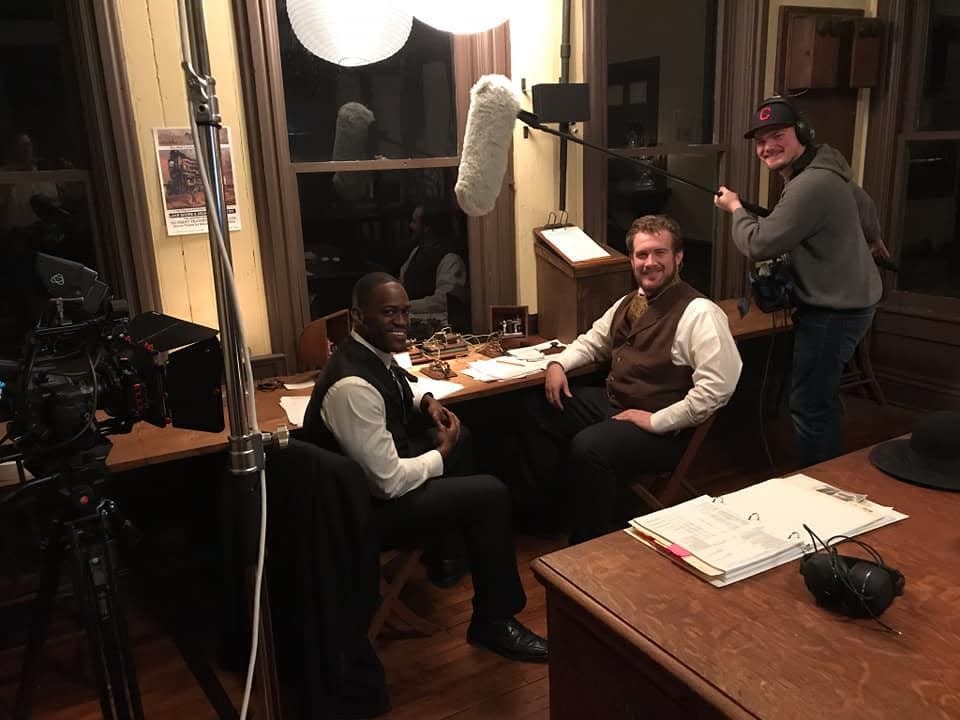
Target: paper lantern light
{"points": [[350, 32]]}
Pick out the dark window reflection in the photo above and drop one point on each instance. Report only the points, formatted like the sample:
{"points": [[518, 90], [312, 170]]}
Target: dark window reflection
{"points": [[45, 190], [930, 251], [401, 107], [405, 222], [940, 105], [661, 59], [634, 191]]}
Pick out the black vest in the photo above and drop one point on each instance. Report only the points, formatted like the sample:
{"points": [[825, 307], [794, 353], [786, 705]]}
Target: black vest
{"points": [[420, 278], [354, 360]]}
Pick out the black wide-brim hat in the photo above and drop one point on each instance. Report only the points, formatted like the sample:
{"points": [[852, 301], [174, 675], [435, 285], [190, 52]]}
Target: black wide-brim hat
{"points": [[930, 457]]}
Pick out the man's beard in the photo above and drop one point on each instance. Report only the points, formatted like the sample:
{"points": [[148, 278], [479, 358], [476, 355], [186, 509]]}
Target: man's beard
{"points": [[673, 278]]}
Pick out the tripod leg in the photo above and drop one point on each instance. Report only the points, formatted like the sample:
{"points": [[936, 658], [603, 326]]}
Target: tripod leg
{"points": [[106, 627], [39, 625]]}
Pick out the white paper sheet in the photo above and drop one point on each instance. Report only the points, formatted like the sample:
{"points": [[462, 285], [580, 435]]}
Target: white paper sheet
{"points": [[575, 244], [295, 406], [438, 388]]}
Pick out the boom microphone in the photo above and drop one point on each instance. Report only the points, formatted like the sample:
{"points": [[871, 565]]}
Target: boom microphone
{"points": [[483, 162], [494, 106]]}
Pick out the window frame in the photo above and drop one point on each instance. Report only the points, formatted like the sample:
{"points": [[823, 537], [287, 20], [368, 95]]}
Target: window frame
{"points": [[492, 246]]}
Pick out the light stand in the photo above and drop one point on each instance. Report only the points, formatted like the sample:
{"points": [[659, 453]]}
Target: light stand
{"points": [[246, 442]]}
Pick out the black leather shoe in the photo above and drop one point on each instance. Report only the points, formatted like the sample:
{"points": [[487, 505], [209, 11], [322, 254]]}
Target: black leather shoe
{"points": [[509, 638], [447, 572]]}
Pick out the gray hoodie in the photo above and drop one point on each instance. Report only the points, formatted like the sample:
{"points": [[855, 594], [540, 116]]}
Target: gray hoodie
{"points": [[824, 221]]}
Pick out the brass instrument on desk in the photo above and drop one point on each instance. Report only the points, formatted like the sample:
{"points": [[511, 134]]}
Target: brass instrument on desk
{"points": [[445, 344], [438, 370]]}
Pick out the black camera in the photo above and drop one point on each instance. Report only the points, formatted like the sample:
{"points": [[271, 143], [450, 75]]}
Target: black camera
{"points": [[770, 283], [84, 354]]}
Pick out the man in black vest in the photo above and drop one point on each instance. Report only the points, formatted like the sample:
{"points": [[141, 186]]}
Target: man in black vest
{"points": [[433, 270], [407, 444], [673, 363]]}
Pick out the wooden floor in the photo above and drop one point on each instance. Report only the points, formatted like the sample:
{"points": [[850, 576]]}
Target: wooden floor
{"points": [[436, 677]]}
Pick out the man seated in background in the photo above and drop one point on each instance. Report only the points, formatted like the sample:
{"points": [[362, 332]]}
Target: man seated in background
{"points": [[433, 269], [410, 448], [673, 363]]}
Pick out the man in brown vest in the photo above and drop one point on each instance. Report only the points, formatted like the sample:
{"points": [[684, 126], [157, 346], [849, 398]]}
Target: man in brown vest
{"points": [[673, 363]]}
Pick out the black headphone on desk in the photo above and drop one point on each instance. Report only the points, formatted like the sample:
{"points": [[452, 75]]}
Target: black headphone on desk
{"points": [[852, 586]]}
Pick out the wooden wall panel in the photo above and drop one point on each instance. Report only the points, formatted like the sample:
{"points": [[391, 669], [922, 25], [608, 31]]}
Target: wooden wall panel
{"points": [[917, 360]]}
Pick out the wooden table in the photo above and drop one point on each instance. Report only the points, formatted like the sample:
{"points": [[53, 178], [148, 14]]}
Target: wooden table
{"points": [[634, 636], [149, 445]]}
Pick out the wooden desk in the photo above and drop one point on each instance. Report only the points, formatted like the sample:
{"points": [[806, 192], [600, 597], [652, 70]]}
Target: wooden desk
{"points": [[633, 635], [755, 323], [149, 445]]}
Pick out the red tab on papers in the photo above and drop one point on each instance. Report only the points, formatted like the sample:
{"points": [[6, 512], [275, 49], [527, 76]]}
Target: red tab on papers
{"points": [[680, 552]]}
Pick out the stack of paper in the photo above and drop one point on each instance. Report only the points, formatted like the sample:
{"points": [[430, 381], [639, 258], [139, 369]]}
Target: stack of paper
{"points": [[729, 538], [503, 368]]}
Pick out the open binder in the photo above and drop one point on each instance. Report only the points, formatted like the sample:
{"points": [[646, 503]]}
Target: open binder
{"points": [[731, 537]]}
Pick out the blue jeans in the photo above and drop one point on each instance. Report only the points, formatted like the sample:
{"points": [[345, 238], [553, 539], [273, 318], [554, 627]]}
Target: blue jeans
{"points": [[824, 340]]}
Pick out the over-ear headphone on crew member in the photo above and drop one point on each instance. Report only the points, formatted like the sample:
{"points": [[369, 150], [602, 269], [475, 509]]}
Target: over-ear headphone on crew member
{"points": [[780, 110], [856, 587]]}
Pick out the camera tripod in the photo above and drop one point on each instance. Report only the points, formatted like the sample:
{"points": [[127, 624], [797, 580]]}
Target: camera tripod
{"points": [[86, 536]]}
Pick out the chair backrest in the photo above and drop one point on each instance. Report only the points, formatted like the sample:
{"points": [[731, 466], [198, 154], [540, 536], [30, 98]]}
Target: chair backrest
{"points": [[320, 338], [674, 484]]}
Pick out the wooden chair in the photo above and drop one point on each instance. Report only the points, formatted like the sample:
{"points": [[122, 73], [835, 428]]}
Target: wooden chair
{"points": [[859, 372], [395, 570], [671, 486], [320, 338]]}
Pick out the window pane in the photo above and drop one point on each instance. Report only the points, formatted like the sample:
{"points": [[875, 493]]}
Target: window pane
{"points": [[401, 107], [663, 54], [635, 191], [940, 103], [404, 222], [45, 190], [930, 251]]}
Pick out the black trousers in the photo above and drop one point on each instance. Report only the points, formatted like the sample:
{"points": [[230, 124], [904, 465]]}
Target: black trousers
{"points": [[585, 457], [472, 509]]}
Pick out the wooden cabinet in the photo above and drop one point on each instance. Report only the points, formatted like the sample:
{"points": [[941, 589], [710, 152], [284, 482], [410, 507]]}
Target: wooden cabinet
{"points": [[570, 296]]}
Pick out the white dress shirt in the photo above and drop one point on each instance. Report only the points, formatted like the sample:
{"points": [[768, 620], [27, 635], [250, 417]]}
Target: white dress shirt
{"points": [[703, 342], [354, 411], [451, 277]]}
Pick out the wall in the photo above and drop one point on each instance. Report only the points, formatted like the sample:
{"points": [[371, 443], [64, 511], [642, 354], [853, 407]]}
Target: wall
{"points": [[151, 44], [535, 30], [869, 8]]}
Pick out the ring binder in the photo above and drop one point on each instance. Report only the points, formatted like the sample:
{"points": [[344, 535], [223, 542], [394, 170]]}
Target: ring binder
{"points": [[729, 538]]}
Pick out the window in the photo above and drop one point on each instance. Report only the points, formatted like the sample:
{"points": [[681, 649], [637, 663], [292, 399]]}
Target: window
{"points": [[926, 239], [660, 67], [321, 193], [402, 107], [940, 91], [69, 164], [45, 182], [374, 149]]}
